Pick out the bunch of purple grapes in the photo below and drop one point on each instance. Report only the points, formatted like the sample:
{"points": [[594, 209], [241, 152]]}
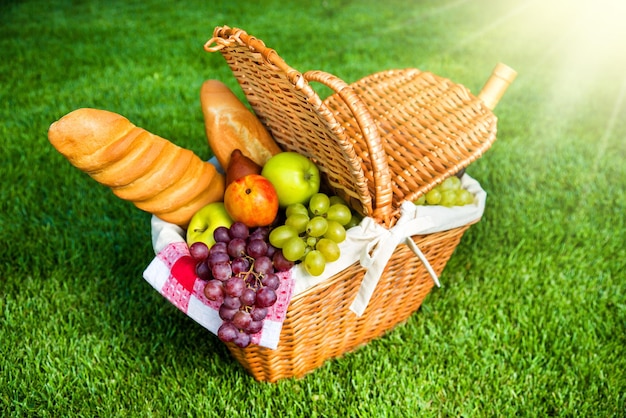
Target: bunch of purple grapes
{"points": [[240, 270]]}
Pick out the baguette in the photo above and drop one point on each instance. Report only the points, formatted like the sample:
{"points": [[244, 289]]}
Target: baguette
{"points": [[230, 125], [158, 176]]}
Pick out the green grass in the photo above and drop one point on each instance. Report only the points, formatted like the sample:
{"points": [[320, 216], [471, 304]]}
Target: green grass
{"points": [[531, 318]]}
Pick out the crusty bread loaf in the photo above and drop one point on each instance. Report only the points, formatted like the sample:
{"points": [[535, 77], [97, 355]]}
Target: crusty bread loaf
{"points": [[156, 175], [231, 125]]}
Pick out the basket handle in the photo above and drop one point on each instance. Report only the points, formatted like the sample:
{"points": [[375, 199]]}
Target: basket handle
{"points": [[501, 77], [377, 156]]}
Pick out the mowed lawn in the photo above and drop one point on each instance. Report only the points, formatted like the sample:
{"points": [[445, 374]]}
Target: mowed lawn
{"points": [[530, 320]]}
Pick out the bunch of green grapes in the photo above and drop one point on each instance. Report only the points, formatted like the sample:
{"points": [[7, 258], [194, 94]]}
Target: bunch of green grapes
{"points": [[449, 193], [311, 233]]}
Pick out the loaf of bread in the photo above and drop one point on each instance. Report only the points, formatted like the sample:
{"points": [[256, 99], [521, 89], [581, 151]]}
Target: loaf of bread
{"points": [[158, 176], [231, 125]]}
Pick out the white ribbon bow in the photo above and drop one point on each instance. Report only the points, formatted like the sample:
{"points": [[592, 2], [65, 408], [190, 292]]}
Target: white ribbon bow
{"points": [[381, 246]]}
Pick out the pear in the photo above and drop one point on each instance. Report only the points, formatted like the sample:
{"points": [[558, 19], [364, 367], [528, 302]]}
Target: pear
{"points": [[239, 166]]}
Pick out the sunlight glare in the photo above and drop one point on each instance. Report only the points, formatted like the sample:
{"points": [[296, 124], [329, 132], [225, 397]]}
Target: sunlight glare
{"points": [[587, 49], [598, 32]]}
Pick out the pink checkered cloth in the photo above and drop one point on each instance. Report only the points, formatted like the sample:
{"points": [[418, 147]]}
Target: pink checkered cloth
{"points": [[172, 274]]}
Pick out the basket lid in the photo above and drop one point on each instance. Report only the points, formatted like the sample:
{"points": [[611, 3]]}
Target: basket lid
{"points": [[389, 137]]}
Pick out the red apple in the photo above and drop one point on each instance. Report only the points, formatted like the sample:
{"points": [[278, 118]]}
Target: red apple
{"points": [[251, 199]]}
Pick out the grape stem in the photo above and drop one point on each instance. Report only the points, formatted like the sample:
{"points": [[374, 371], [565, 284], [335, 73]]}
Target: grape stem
{"points": [[251, 273]]}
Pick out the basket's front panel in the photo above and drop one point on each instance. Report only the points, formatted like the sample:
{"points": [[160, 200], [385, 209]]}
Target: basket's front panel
{"points": [[320, 326]]}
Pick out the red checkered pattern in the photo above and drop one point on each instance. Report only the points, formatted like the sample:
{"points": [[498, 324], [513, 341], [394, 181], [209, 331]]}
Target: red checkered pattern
{"points": [[172, 274]]}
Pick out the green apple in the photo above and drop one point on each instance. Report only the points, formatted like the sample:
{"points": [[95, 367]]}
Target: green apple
{"points": [[205, 221], [294, 176]]}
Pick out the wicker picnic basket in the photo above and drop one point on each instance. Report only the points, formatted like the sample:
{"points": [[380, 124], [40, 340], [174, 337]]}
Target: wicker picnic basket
{"points": [[389, 137]]}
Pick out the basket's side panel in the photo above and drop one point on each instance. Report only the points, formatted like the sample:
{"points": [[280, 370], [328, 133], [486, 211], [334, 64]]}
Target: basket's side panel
{"points": [[320, 326], [431, 128]]}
